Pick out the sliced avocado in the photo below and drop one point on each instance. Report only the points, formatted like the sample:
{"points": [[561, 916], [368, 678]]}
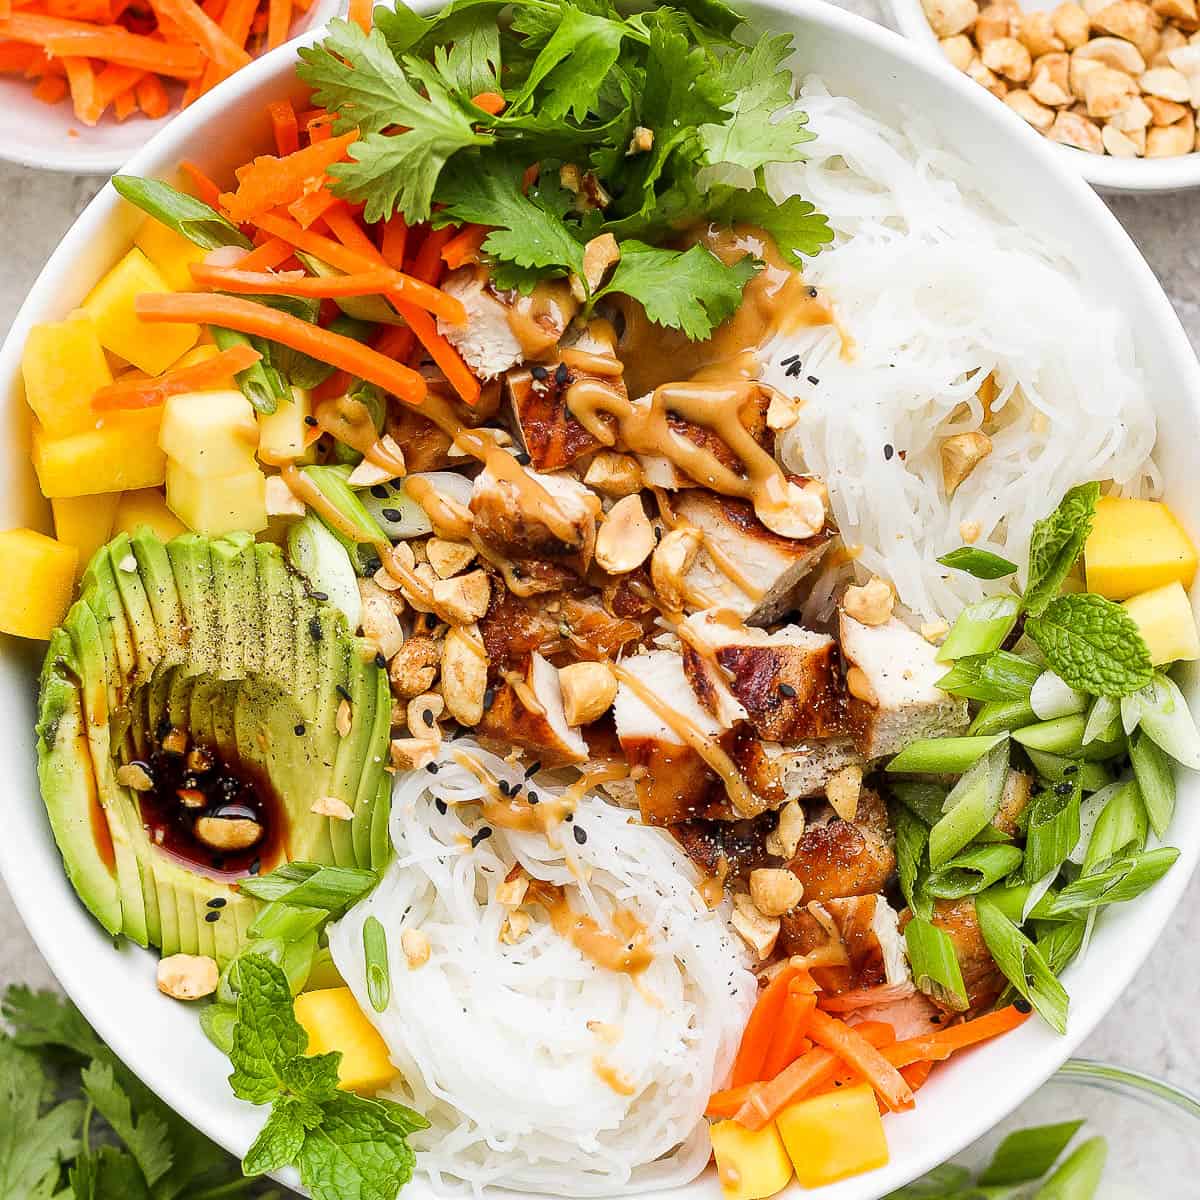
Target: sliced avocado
{"points": [[207, 664]]}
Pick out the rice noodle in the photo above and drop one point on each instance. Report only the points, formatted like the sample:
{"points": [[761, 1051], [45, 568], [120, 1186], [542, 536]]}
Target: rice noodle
{"points": [[936, 290], [492, 1040]]}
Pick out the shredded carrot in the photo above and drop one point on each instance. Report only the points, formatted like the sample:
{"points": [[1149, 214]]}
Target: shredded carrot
{"points": [[464, 247], [50, 89], [196, 25], [428, 263], [38, 28], [915, 1074], [150, 392], [269, 182], [756, 1037], [153, 100], [722, 1105], [319, 131], [279, 21], [82, 81], [395, 241], [291, 283], [878, 1033], [110, 83], [202, 186], [130, 50], [854, 1050], [490, 102], [338, 384], [95, 11], [360, 12], [934, 1047], [244, 316], [271, 254], [5, 9], [284, 126], [789, 1036], [460, 377], [345, 227], [396, 341], [17, 57], [125, 105]]}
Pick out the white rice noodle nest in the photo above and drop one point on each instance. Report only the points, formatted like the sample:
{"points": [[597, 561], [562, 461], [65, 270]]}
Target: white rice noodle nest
{"points": [[492, 1040], [936, 291]]}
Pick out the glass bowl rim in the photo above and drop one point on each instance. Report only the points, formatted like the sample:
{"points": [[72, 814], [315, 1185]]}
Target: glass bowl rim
{"points": [[1125, 1079]]}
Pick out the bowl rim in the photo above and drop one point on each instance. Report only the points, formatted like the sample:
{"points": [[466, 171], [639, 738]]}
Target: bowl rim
{"points": [[1114, 1076], [1112, 175], [1042, 1052]]}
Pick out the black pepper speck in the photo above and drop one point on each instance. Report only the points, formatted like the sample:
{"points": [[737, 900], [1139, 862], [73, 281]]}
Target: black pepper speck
{"points": [[786, 690], [299, 730], [888, 451]]}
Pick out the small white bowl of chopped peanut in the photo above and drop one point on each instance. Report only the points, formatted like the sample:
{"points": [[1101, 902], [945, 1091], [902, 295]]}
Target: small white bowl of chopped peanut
{"points": [[1116, 83]]}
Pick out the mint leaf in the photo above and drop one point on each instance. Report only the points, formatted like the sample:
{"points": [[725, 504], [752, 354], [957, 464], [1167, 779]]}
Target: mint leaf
{"points": [[358, 1153], [267, 1035], [692, 290], [1092, 644], [796, 226], [279, 1141], [145, 1137], [1056, 543], [312, 1078]]}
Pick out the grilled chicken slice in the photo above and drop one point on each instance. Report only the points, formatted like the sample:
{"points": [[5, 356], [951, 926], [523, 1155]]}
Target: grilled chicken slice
{"points": [[983, 979], [725, 848], [902, 700], [862, 930], [528, 713], [1018, 789], [764, 568], [837, 858], [797, 772]]}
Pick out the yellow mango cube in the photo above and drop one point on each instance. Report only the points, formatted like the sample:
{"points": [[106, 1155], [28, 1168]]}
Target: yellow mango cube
{"points": [[36, 584], [210, 434], [147, 506], [333, 1021], [1136, 545], [152, 348], [85, 522], [750, 1164], [216, 506], [170, 252], [63, 365], [1168, 626], [122, 453], [283, 434], [834, 1136]]}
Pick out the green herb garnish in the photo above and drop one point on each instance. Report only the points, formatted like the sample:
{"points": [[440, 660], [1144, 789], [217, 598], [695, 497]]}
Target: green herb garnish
{"points": [[983, 564], [1056, 544]]}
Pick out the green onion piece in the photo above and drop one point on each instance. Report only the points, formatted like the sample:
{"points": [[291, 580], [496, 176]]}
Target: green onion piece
{"points": [[1023, 964], [318, 554], [1079, 1176], [934, 964], [1155, 780], [324, 973], [996, 676], [1092, 776], [1001, 716], [1060, 941], [983, 564], [1089, 814], [260, 383], [970, 806], [333, 485], [923, 797], [1064, 736], [1162, 712], [1027, 1154], [942, 756], [941, 1183], [1102, 720], [969, 873], [981, 628], [379, 979], [331, 888], [187, 216], [297, 368], [216, 1023], [1013, 898], [1120, 830], [1053, 831], [1121, 880], [912, 836], [287, 922]]}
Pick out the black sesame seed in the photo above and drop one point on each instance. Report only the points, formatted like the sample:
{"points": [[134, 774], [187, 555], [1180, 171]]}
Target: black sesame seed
{"points": [[523, 459], [299, 730], [533, 769], [1022, 1005], [1073, 769], [580, 834], [320, 597], [561, 375], [1064, 788], [256, 866], [210, 917], [569, 818], [433, 768], [489, 698], [503, 786], [372, 565], [534, 798], [539, 373], [380, 661], [311, 421], [390, 514], [813, 380], [481, 835], [791, 358], [344, 692], [217, 902], [786, 689], [379, 492], [314, 629], [440, 805], [794, 370], [812, 291], [888, 451]]}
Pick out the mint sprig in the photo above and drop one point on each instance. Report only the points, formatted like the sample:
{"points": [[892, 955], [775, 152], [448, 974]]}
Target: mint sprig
{"points": [[1056, 544]]}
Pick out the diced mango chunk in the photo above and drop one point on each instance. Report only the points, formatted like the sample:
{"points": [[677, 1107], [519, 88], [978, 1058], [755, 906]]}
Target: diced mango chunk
{"points": [[333, 1021], [833, 1136], [216, 506], [171, 253], [210, 434], [750, 1165], [283, 434], [63, 365], [147, 506], [120, 454], [1136, 545], [152, 348], [36, 583], [1168, 626], [85, 522]]}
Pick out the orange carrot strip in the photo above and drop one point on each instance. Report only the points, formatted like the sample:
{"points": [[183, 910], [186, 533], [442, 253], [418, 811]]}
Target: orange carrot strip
{"points": [[460, 377], [395, 241], [111, 82], [279, 22], [324, 248], [38, 28], [130, 50], [50, 89], [195, 24], [396, 341], [82, 81], [878, 1033], [915, 1074], [428, 263], [202, 186], [125, 105], [232, 312], [304, 5], [269, 182], [293, 283], [153, 101], [286, 130], [312, 206], [266, 257], [361, 13], [790, 1033], [490, 102], [722, 1105], [5, 9], [97, 11], [934, 1047], [147, 393], [464, 247], [319, 131], [345, 227], [338, 384], [756, 1037], [854, 1050], [16, 57]]}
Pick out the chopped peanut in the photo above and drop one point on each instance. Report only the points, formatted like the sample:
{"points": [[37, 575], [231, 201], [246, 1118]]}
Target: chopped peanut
{"points": [[871, 604], [614, 474], [134, 775], [187, 976], [672, 560], [464, 598], [464, 674], [588, 690], [422, 715], [948, 17], [415, 666], [785, 837], [963, 452], [843, 790], [759, 932], [331, 806], [448, 558], [1008, 57], [415, 945], [775, 890], [626, 538]]}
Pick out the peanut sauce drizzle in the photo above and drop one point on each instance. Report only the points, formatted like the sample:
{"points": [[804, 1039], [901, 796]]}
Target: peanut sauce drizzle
{"points": [[349, 421], [304, 489], [515, 812], [626, 951], [615, 1079], [537, 320]]}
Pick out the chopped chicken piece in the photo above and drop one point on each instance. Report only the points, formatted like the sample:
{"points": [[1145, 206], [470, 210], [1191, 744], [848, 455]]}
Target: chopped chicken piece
{"points": [[805, 768], [513, 627], [983, 979], [765, 568], [864, 928], [837, 858], [901, 672], [914, 1016], [732, 847], [1018, 788], [512, 722]]}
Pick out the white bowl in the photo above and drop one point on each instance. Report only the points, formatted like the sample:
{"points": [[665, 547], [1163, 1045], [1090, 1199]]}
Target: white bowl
{"points": [[1113, 175], [49, 137], [161, 1040]]}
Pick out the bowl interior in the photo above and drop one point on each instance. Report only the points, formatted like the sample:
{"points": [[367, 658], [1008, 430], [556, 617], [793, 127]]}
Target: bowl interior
{"points": [[161, 1040]]}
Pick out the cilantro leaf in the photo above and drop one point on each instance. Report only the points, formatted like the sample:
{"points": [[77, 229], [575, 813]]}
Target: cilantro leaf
{"points": [[267, 1035], [356, 1154], [45, 1019], [472, 63], [761, 86], [1093, 644], [795, 225], [1056, 543], [690, 289], [279, 1141], [145, 1137], [107, 1174]]}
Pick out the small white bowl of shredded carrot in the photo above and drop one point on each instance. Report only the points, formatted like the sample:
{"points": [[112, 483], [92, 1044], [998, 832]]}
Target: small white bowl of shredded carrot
{"points": [[86, 83]]}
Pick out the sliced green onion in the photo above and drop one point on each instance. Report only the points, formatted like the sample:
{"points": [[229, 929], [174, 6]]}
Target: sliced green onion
{"points": [[324, 561], [981, 627], [1060, 941], [1001, 716], [287, 922], [996, 676], [912, 836], [1027, 1154], [216, 1023], [942, 756], [942, 1182], [922, 796], [1013, 901], [260, 383], [1064, 736], [190, 218], [1089, 814], [375, 951], [983, 564], [1102, 720], [1051, 697], [935, 966], [298, 369], [1124, 879], [1092, 776], [1052, 833], [1160, 709], [973, 871], [970, 806], [331, 888], [1023, 964], [332, 482], [1155, 780], [1121, 829], [1079, 1176]]}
